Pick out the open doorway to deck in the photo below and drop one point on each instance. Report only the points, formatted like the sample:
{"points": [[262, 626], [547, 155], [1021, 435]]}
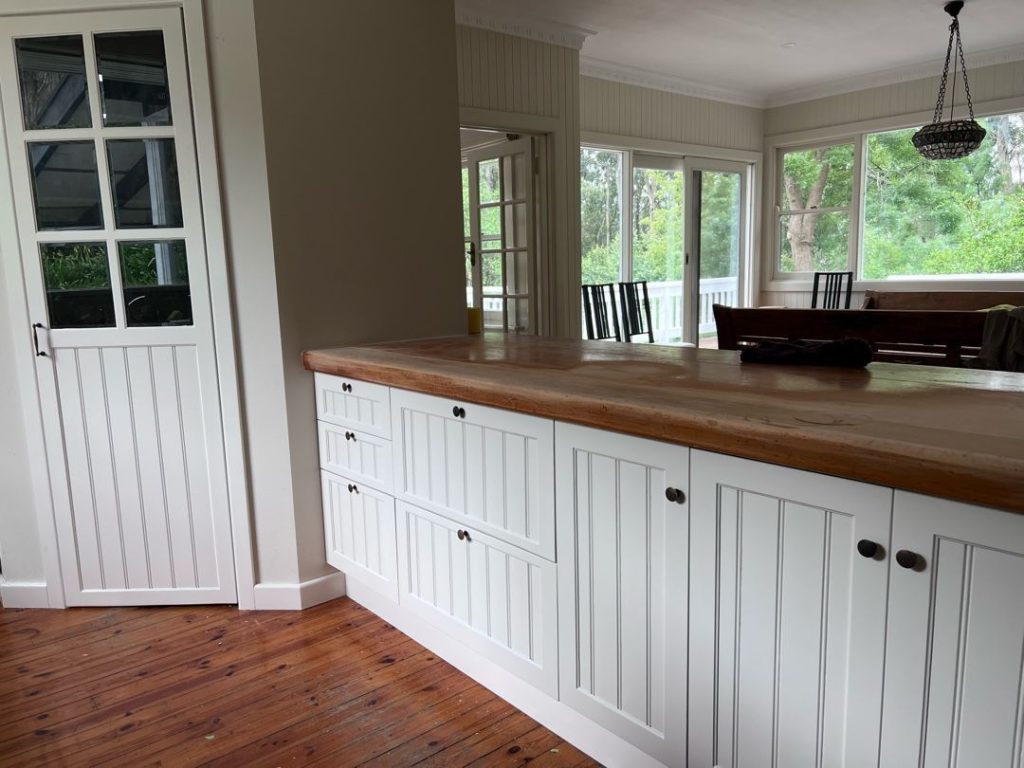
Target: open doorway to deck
{"points": [[503, 217], [679, 223]]}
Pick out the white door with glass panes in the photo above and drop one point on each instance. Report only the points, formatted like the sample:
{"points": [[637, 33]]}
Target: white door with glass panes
{"points": [[102, 154], [501, 246]]}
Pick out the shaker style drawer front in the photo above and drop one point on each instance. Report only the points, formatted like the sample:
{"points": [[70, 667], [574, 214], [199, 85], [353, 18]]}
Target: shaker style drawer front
{"points": [[352, 403], [360, 456], [497, 599], [359, 529], [486, 468]]}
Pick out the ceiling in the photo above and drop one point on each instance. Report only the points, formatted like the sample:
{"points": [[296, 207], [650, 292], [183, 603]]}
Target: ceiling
{"points": [[735, 47]]}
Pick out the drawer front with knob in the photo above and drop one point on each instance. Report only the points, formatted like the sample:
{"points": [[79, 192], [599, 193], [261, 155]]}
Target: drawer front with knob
{"points": [[359, 405], [359, 530], [364, 457], [494, 597], [487, 469]]}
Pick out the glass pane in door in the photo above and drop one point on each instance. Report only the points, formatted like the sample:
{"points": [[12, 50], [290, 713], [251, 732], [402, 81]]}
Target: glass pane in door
{"points": [[720, 220], [51, 74], [155, 279], [65, 184], [133, 78], [77, 279], [658, 247], [144, 175]]}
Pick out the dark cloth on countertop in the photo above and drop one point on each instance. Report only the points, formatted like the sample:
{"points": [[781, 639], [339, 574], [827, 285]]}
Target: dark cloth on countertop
{"points": [[1002, 341], [846, 353]]}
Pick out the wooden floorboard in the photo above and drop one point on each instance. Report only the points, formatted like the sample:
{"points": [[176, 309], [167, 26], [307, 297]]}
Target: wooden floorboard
{"points": [[210, 685]]}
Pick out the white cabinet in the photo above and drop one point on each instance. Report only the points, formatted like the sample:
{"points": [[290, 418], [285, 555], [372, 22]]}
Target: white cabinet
{"points": [[361, 456], [954, 675], [489, 468], [359, 527], [352, 403], [496, 598], [787, 618], [622, 574]]}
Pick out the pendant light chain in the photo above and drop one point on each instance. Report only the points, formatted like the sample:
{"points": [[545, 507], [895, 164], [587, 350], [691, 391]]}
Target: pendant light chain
{"points": [[940, 104], [963, 68]]}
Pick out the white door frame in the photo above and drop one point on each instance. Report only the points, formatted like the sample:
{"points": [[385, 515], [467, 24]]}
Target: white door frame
{"points": [[220, 298]]}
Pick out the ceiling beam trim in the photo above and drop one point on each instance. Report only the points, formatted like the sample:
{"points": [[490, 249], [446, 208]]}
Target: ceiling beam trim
{"points": [[564, 35]]}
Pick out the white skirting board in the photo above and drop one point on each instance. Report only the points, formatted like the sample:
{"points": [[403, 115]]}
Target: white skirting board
{"points": [[295, 597], [584, 734], [23, 594]]}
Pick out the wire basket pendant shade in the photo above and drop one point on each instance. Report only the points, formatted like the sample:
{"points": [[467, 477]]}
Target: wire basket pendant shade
{"points": [[950, 139]]}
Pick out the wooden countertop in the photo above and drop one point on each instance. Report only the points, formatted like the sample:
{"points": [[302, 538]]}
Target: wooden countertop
{"points": [[947, 432]]}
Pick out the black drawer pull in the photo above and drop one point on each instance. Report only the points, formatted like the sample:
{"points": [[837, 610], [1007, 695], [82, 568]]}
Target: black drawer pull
{"points": [[868, 548], [350, 436], [352, 488], [459, 413], [675, 495], [463, 535]]}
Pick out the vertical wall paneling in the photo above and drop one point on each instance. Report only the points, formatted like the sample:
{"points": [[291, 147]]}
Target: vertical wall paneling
{"points": [[511, 79], [623, 585], [787, 620], [498, 599]]}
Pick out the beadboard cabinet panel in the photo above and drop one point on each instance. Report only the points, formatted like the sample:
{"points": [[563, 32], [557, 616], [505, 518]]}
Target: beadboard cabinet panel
{"points": [[359, 527], [496, 598], [787, 620], [351, 403], [487, 468], [954, 680], [622, 585], [361, 456]]}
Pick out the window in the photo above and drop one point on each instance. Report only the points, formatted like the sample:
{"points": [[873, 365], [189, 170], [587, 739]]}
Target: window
{"points": [[910, 218], [815, 195], [601, 215]]}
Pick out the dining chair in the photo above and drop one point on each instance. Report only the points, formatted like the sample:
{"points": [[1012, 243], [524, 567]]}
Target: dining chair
{"points": [[636, 311], [833, 290], [600, 313]]}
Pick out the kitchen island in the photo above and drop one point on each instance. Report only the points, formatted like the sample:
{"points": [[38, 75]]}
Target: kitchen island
{"points": [[674, 559]]}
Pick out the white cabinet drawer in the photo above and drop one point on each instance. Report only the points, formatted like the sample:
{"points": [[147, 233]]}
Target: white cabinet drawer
{"points": [[361, 456], [359, 529], [497, 599], [486, 468], [353, 403]]}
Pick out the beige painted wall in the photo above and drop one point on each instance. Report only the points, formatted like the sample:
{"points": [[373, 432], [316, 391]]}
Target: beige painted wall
{"points": [[511, 78], [630, 110], [999, 81], [361, 118]]}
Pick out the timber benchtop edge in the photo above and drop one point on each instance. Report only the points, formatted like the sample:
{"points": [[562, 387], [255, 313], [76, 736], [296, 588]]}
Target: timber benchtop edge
{"points": [[947, 432]]}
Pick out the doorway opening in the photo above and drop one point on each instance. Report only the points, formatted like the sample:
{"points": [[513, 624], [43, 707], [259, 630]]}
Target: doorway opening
{"points": [[503, 216]]}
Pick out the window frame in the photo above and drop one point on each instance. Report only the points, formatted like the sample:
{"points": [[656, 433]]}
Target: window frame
{"points": [[775, 280]]}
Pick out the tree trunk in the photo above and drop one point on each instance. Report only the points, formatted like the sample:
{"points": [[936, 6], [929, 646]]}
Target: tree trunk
{"points": [[800, 227]]}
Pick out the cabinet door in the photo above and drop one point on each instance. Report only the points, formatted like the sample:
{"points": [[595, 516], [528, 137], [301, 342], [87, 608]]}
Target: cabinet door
{"points": [[954, 678], [359, 528], [787, 619], [487, 468], [353, 403], [622, 552], [495, 598], [363, 457]]}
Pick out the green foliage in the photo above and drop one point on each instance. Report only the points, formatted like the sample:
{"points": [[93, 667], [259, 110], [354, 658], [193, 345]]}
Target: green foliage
{"points": [[75, 265]]}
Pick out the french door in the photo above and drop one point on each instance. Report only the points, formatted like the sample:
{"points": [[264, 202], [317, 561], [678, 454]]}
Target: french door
{"points": [[99, 134], [501, 241]]}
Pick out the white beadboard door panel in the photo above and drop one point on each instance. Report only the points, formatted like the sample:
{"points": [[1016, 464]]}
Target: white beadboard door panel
{"points": [[787, 619], [954, 672], [622, 574], [496, 598], [129, 397], [359, 528], [361, 456], [353, 403], [489, 469]]}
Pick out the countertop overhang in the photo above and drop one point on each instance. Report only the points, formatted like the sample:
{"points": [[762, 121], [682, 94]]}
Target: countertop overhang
{"points": [[947, 432]]}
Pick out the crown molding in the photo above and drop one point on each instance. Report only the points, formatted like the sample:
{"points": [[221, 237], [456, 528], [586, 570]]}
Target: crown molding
{"points": [[893, 76], [551, 32], [621, 73]]}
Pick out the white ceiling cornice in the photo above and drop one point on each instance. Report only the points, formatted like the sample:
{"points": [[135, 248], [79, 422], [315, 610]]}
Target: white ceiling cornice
{"points": [[894, 76], [552, 32], [620, 73]]}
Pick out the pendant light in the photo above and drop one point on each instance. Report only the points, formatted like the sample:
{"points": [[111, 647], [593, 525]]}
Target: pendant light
{"points": [[950, 139]]}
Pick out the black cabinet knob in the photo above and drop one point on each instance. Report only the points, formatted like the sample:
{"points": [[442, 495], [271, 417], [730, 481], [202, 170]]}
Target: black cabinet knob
{"points": [[868, 548], [346, 387], [352, 488], [459, 413], [675, 495], [463, 535], [350, 436], [909, 560]]}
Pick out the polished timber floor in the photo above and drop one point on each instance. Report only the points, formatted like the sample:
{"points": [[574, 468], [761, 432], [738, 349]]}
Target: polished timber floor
{"points": [[330, 686]]}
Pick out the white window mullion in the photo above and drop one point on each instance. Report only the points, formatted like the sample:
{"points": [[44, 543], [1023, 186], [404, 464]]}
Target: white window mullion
{"points": [[626, 215], [857, 206]]}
